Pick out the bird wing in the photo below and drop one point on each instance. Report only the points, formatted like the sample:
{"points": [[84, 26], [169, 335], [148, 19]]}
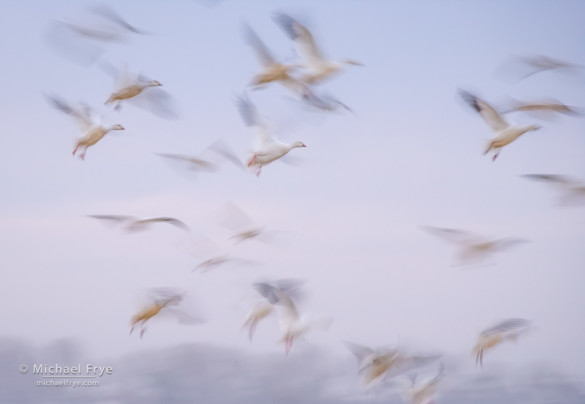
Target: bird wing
{"points": [[510, 325], [452, 235], [111, 15], [117, 219], [169, 220], [193, 163], [259, 47], [83, 113], [487, 112], [251, 118], [553, 179], [303, 39], [227, 153]]}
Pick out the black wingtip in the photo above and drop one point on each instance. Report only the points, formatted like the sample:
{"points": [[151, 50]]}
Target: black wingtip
{"points": [[470, 99]]}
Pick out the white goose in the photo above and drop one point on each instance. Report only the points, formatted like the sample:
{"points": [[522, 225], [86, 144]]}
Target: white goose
{"points": [[263, 309], [313, 60], [273, 70], [497, 334], [140, 91], [505, 133], [87, 120], [265, 148], [473, 247]]}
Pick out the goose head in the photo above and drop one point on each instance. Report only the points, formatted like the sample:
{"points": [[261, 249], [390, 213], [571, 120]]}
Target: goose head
{"points": [[297, 144], [117, 127]]}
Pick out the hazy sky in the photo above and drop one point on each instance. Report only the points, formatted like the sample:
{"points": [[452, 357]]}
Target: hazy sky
{"points": [[410, 155]]}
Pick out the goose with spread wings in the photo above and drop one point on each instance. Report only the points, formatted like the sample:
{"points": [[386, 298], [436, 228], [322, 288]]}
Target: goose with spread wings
{"points": [[133, 224], [266, 148], [473, 247], [318, 67], [508, 330], [163, 300], [89, 122], [505, 133]]}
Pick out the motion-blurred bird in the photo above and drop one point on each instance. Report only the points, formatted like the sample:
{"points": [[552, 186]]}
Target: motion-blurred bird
{"points": [[383, 363], [264, 308], [265, 149], [522, 67], [505, 133], [425, 392], [319, 68], [273, 70], [85, 38], [283, 295], [140, 91], [133, 224], [507, 330], [573, 191], [162, 299], [472, 246], [89, 122]]}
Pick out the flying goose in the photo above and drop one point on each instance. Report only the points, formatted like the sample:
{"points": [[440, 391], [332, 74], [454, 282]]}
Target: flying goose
{"points": [[265, 149], [573, 190], [319, 68], [473, 246], [507, 330], [163, 299], [264, 308], [505, 133], [133, 224], [522, 67], [87, 120], [273, 70], [140, 91]]}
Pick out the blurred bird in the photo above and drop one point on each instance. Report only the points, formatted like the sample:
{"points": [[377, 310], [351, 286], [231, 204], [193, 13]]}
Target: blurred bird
{"points": [[89, 122], [139, 90], [263, 309], [162, 299], [495, 335], [383, 363], [522, 67], [84, 40], [191, 163], [472, 246], [273, 70], [283, 295], [425, 392], [573, 190], [505, 134], [319, 68], [133, 224], [265, 149]]}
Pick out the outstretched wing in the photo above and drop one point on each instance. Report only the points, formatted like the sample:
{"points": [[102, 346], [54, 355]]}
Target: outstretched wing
{"points": [[487, 112]]}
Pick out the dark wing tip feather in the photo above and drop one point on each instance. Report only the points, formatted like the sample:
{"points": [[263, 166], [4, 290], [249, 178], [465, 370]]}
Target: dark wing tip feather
{"points": [[247, 110], [470, 99], [287, 23]]}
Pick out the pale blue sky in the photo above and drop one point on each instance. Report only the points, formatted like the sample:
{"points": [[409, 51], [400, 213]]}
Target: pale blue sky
{"points": [[410, 155]]}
